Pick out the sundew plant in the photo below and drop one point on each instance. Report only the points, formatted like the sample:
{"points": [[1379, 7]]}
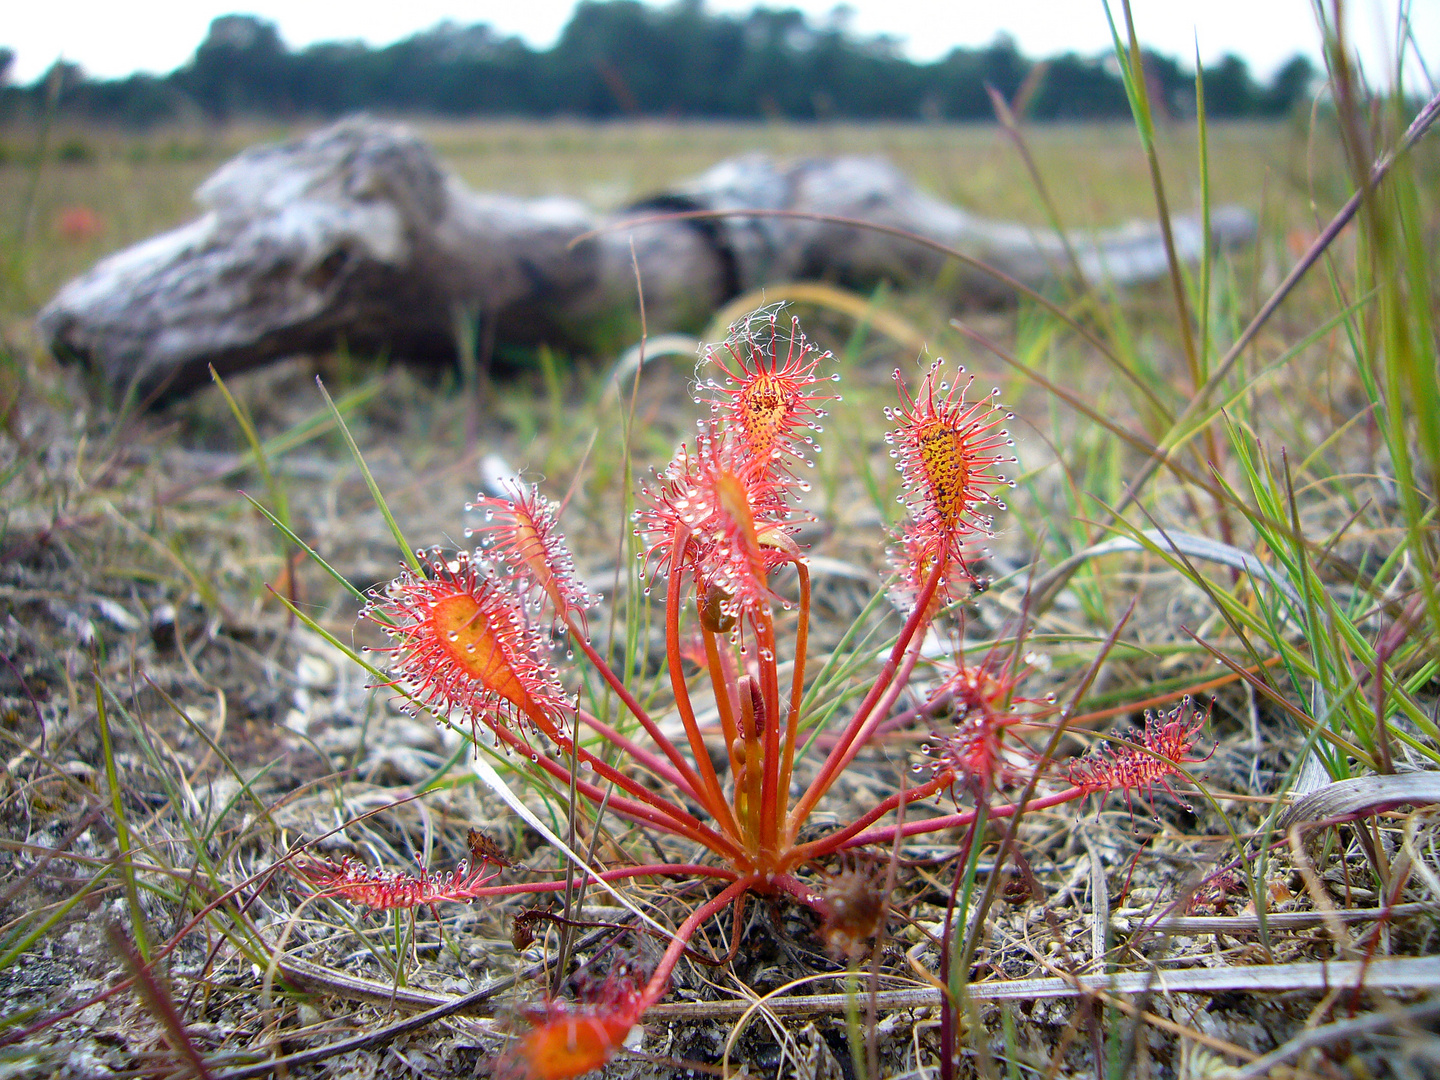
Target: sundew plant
{"points": [[474, 637]]}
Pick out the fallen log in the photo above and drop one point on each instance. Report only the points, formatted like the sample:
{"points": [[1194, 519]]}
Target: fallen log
{"points": [[356, 234]]}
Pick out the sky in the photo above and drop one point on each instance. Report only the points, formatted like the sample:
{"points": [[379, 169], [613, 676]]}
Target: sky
{"points": [[109, 38]]}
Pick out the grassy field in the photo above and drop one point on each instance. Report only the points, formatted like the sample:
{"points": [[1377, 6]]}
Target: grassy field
{"points": [[185, 706]]}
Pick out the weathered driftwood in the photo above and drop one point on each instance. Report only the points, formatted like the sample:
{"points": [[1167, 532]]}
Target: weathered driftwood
{"points": [[357, 234]]}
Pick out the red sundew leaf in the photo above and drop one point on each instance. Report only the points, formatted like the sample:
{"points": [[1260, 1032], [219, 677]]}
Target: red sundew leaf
{"points": [[672, 509], [989, 685], [738, 565], [945, 448], [728, 515], [521, 531], [980, 750], [913, 557], [982, 697], [974, 752], [385, 890], [767, 401], [1167, 743], [461, 642]]}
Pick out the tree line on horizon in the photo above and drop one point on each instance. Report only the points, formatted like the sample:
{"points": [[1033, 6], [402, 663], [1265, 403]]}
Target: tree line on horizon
{"points": [[620, 59]]}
